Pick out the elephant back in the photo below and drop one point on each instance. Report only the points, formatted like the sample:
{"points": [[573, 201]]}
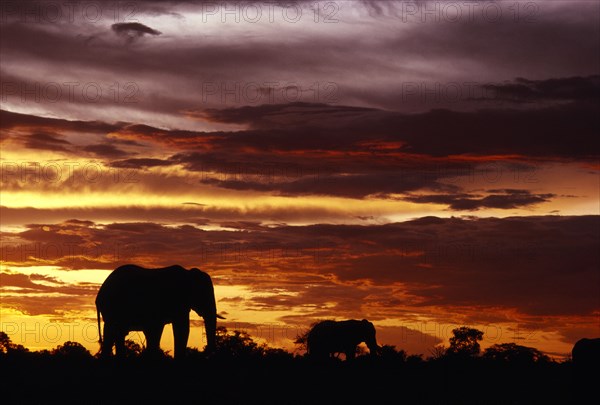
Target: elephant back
{"points": [[129, 285], [586, 353]]}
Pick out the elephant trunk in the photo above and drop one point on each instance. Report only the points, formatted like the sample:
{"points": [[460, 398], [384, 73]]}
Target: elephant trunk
{"points": [[373, 348], [374, 351], [210, 324]]}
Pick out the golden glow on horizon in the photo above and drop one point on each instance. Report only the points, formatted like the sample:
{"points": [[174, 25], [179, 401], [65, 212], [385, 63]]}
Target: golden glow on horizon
{"points": [[46, 331], [575, 191], [343, 210], [38, 332]]}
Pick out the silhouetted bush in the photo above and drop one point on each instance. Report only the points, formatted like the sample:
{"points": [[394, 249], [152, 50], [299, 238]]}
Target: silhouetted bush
{"points": [[415, 359], [513, 353], [237, 344], [72, 350], [240, 345], [390, 354]]}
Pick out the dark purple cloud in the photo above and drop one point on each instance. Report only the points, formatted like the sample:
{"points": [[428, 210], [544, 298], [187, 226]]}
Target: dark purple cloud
{"points": [[569, 89], [319, 149], [140, 163], [543, 266], [351, 186], [106, 151], [45, 141], [535, 133], [503, 199], [10, 120]]}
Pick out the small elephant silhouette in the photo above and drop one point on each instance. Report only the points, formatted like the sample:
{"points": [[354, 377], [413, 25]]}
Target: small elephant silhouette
{"points": [[327, 338], [586, 364], [134, 298]]}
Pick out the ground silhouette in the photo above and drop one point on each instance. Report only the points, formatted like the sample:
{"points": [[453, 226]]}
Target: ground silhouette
{"points": [[241, 371]]}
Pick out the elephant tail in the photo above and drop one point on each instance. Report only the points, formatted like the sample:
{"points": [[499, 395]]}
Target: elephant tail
{"points": [[99, 330]]}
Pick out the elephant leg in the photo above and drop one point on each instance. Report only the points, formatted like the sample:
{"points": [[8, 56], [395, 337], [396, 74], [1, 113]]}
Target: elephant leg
{"points": [[113, 336], [181, 333], [120, 343], [153, 336], [350, 353], [109, 339]]}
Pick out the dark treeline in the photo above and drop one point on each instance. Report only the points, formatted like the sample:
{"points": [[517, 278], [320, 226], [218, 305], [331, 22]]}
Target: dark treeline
{"points": [[240, 371]]}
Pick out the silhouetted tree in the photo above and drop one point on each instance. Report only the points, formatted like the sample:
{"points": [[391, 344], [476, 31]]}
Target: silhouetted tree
{"points": [[7, 346], [5, 342], [465, 342], [513, 353], [71, 350]]}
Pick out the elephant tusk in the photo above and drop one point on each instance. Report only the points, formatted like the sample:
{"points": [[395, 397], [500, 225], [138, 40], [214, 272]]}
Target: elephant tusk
{"points": [[220, 316]]}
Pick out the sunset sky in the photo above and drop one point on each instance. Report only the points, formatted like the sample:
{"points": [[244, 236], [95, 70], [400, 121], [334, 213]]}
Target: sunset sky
{"points": [[424, 165]]}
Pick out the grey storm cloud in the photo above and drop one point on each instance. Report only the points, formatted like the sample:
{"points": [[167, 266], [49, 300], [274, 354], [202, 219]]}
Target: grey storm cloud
{"points": [[561, 42]]}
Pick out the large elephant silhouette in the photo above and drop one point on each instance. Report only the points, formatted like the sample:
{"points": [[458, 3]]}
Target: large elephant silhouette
{"points": [[327, 338], [586, 353], [134, 298]]}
